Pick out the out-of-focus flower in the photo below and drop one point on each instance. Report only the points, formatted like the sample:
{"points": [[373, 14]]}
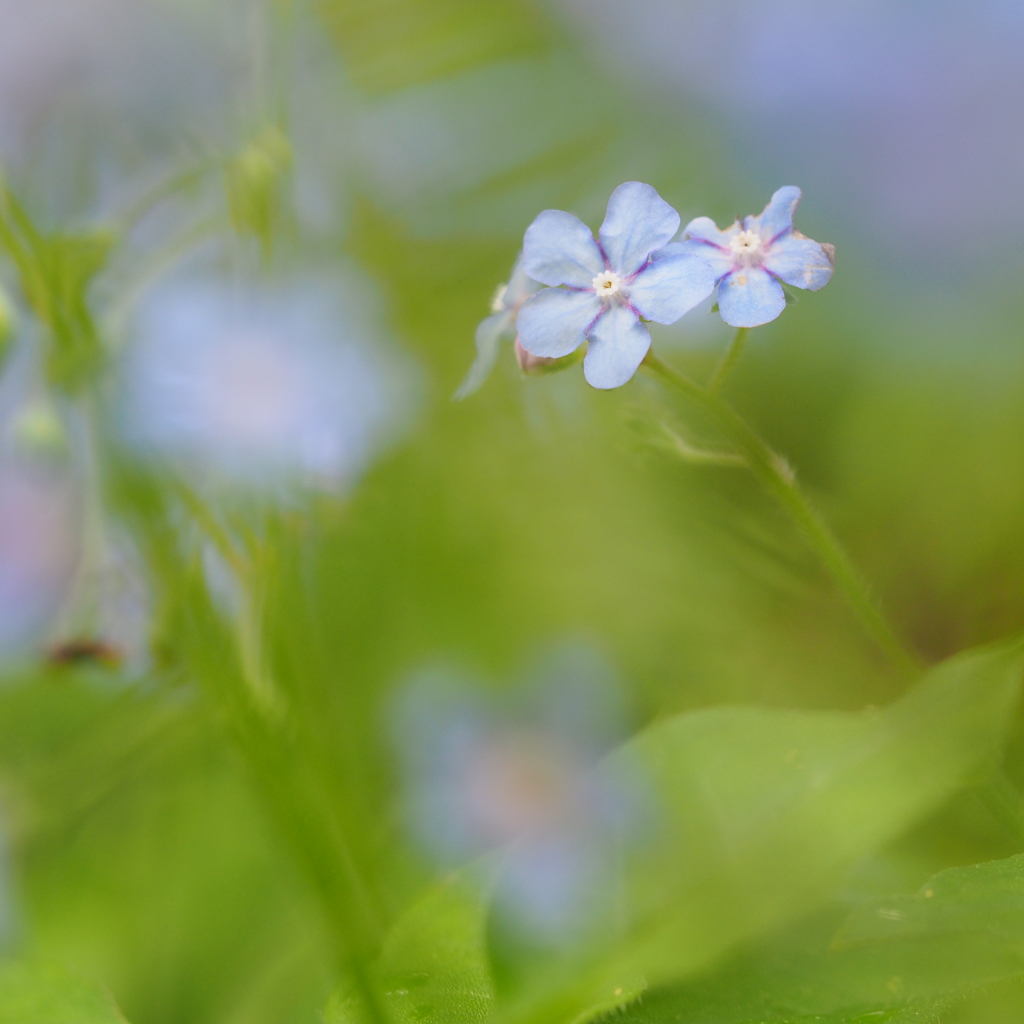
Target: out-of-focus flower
{"points": [[107, 69], [257, 387], [751, 257], [531, 784], [500, 324], [603, 290], [39, 550]]}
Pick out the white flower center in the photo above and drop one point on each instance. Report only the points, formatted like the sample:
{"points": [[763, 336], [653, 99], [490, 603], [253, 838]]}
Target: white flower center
{"points": [[607, 284], [745, 246], [498, 302]]}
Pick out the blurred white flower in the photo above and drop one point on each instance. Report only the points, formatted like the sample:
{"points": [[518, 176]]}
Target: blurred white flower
{"points": [[259, 386], [529, 782]]}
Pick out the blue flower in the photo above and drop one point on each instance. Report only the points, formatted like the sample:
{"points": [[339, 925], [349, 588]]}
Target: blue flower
{"points": [[601, 291], [500, 324], [534, 785], [258, 387], [753, 257]]}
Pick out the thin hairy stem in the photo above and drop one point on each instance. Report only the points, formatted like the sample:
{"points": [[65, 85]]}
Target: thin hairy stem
{"points": [[728, 361], [777, 476]]}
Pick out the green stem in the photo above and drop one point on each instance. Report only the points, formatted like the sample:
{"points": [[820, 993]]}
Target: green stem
{"points": [[778, 478], [729, 360], [290, 782]]}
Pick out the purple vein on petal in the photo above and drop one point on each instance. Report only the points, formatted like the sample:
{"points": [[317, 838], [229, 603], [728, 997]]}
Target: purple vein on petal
{"points": [[600, 313]]}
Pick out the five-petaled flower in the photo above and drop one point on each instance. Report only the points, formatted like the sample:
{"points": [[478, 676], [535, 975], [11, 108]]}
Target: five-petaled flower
{"points": [[602, 290], [752, 258], [500, 324]]}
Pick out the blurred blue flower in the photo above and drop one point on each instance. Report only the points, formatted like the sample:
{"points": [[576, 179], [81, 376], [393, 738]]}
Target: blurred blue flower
{"points": [[39, 550], [600, 290], [531, 784], [41, 506], [258, 387], [500, 324], [751, 257]]}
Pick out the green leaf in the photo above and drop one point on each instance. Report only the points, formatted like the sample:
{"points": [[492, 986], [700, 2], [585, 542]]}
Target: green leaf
{"points": [[434, 967], [44, 993], [764, 811], [903, 958], [973, 915]]}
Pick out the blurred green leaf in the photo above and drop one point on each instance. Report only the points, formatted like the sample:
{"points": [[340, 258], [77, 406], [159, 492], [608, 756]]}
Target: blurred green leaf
{"points": [[764, 811], [43, 993], [901, 958], [55, 272], [389, 45], [981, 900], [434, 967]]}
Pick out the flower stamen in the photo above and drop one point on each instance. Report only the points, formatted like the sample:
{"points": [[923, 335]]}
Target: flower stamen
{"points": [[607, 284], [745, 246]]}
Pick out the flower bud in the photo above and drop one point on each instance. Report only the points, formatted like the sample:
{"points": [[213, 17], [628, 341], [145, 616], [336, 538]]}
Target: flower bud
{"points": [[538, 365], [253, 183], [38, 429]]}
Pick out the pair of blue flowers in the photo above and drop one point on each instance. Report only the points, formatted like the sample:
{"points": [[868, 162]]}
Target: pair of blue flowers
{"points": [[604, 290]]}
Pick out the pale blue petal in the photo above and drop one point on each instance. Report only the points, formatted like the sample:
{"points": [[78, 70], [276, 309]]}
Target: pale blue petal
{"points": [[560, 249], [777, 217], [488, 343], [720, 260], [750, 297], [800, 261], [670, 286], [618, 344], [520, 286], [705, 229], [638, 221], [554, 322]]}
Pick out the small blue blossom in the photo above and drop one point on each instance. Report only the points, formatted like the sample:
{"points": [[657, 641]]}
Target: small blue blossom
{"points": [[752, 258], [532, 785], [258, 387], [500, 324], [602, 290]]}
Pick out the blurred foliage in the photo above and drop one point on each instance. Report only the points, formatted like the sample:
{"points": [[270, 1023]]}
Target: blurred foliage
{"points": [[55, 272], [254, 180], [398, 44], [219, 837], [44, 993]]}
